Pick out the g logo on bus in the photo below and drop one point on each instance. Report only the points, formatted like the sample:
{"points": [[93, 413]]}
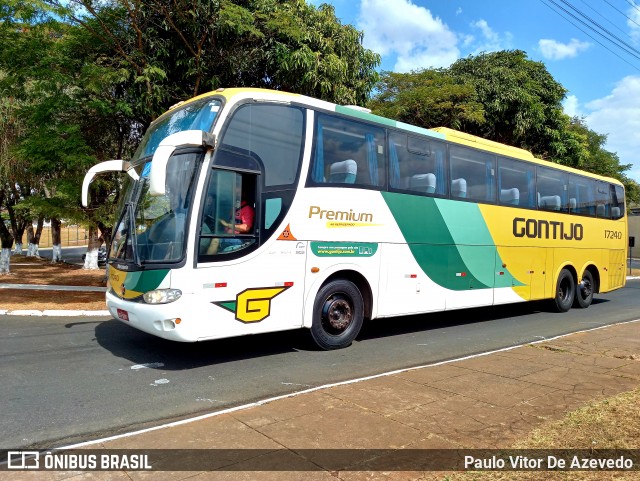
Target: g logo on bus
{"points": [[252, 305]]}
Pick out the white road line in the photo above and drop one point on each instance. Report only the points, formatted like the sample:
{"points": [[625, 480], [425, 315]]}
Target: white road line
{"points": [[147, 365], [325, 386]]}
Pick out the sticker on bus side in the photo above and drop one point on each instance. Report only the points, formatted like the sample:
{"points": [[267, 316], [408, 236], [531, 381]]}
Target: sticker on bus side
{"points": [[252, 305], [344, 249]]}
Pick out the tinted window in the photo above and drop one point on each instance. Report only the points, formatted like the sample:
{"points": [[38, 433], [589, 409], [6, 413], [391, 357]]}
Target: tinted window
{"points": [[617, 201], [417, 164], [516, 183], [159, 222], [347, 153], [198, 115], [472, 174], [228, 215], [582, 195], [603, 200], [273, 134], [552, 190]]}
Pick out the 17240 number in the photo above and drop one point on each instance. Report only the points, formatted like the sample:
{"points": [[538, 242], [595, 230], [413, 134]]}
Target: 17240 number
{"points": [[612, 234]]}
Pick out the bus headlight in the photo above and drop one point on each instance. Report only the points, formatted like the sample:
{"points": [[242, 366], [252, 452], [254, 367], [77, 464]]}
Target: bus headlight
{"points": [[162, 296]]}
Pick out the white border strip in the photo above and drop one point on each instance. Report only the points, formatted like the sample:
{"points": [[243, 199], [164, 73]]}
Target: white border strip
{"points": [[52, 313], [326, 386]]}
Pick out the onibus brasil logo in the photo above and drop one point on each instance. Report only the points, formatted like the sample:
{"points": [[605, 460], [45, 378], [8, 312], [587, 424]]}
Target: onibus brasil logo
{"points": [[252, 305]]}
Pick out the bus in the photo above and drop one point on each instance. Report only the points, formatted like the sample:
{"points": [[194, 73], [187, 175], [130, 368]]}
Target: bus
{"points": [[248, 211]]}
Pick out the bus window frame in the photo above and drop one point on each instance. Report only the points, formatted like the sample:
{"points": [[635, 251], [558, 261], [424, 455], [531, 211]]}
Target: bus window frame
{"points": [[301, 107], [494, 175], [262, 191], [557, 175], [447, 144], [237, 253], [621, 204], [382, 172], [503, 166], [429, 140]]}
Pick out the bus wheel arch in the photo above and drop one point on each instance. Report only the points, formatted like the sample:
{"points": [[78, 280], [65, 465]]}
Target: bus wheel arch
{"points": [[339, 309]]}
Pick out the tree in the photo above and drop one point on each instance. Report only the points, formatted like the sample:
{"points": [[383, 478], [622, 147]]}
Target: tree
{"points": [[92, 75], [596, 159], [429, 98], [6, 239], [500, 96], [280, 44], [73, 113], [521, 99], [10, 129]]}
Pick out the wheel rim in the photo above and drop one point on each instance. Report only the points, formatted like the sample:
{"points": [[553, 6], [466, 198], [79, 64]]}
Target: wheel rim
{"points": [[563, 290], [586, 289], [337, 314]]}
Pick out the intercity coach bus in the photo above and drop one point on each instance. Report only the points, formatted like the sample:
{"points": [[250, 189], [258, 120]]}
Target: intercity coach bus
{"points": [[248, 211]]}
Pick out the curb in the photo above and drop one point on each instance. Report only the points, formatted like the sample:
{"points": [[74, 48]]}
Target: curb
{"points": [[52, 287], [53, 313]]}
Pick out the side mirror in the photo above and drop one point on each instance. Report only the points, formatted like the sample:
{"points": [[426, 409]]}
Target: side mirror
{"points": [[187, 138], [106, 166]]}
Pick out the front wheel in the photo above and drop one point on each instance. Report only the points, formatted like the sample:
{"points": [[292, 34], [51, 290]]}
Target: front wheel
{"points": [[565, 291], [584, 291], [338, 312]]}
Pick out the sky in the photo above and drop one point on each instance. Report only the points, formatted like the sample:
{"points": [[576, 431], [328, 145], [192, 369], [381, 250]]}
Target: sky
{"points": [[591, 47]]}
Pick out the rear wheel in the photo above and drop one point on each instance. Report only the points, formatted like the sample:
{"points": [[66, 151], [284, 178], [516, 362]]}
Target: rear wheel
{"points": [[338, 313], [565, 291], [584, 291]]}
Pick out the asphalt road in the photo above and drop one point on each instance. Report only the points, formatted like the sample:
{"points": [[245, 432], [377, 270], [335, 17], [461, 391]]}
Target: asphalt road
{"points": [[74, 379]]}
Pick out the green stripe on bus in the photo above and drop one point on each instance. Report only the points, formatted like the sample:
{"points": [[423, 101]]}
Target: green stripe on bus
{"points": [[449, 240], [478, 258], [145, 281], [341, 109]]}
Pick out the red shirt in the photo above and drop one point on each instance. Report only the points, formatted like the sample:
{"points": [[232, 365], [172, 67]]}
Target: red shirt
{"points": [[245, 215]]}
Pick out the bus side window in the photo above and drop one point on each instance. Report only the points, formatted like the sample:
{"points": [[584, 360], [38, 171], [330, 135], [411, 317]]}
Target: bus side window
{"points": [[516, 183], [552, 190], [472, 174], [581, 195], [617, 201], [347, 152], [417, 164], [273, 134], [272, 209], [227, 222], [603, 200]]}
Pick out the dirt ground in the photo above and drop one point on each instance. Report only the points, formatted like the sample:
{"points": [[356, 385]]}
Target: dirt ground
{"points": [[34, 270]]}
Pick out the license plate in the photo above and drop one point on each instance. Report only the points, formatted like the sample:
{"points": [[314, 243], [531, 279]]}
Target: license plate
{"points": [[123, 315]]}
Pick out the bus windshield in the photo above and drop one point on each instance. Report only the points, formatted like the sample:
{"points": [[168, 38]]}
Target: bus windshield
{"points": [[152, 229], [197, 115]]}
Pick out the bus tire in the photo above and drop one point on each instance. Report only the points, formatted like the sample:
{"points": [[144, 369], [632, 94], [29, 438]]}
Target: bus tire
{"points": [[338, 313], [584, 291], [565, 291]]}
